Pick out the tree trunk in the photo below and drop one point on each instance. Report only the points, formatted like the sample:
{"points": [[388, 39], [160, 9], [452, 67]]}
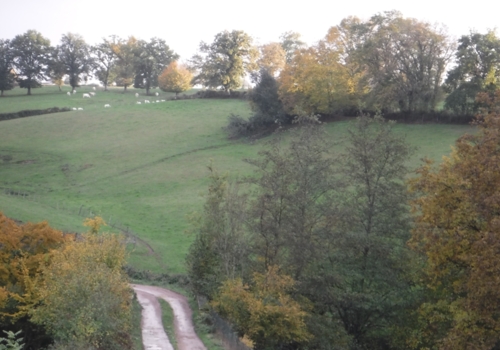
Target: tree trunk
{"points": [[125, 89], [1, 93], [29, 90]]}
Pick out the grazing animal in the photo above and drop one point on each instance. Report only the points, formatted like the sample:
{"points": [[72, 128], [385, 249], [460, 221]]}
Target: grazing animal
{"points": [[73, 108], [68, 93], [80, 108], [93, 87], [162, 100], [106, 105], [86, 96], [157, 101], [146, 101], [157, 94], [74, 91], [92, 93], [138, 102], [136, 95]]}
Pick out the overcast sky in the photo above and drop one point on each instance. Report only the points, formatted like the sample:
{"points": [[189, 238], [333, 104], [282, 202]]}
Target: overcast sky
{"points": [[183, 24]]}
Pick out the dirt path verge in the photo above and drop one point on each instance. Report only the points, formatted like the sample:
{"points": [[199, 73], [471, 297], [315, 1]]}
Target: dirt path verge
{"points": [[151, 320]]}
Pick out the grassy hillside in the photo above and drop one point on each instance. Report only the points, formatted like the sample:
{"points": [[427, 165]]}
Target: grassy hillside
{"points": [[143, 166]]}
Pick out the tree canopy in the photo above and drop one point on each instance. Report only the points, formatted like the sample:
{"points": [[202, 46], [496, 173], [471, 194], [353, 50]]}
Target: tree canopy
{"points": [[31, 53], [175, 78], [74, 55], [477, 69], [151, 59], [223, 63]]}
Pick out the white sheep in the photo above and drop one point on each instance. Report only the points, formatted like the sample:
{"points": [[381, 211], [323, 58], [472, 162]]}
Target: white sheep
{"points": [[138, 102], [162, 100], [157, 94], [146, 101], [74, 92], [86, 96], [92, 93], [106, 105], [93, 87], [68, 93], [157, 101], [136, 95], [80, 108], [73, 108]]}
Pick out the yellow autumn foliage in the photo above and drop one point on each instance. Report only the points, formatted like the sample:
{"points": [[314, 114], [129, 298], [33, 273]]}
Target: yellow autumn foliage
{"points": [[175, 78], [24, 249], [264, 312], [457, 228], [84, 294]]}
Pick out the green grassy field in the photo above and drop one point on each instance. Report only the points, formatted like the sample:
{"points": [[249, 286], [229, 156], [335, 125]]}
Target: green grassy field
{"points": [[143, 166]]}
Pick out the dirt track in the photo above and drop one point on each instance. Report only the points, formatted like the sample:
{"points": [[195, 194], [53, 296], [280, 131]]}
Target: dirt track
{"points": [[153, 334]]}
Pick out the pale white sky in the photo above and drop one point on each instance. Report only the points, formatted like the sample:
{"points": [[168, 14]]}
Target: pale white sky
{"points": [[183, 24]]}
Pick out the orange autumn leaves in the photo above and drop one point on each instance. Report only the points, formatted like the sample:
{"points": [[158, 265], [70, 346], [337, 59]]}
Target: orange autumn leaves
{"points": [[175, 78], [458, 230], [23, 251], [74, 288]]}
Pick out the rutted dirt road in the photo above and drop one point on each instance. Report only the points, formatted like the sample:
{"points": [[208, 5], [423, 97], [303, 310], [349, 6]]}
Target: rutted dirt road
{"points": [[153, 334]]}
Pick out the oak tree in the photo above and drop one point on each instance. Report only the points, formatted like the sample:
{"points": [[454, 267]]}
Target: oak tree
{"points": [[105, 62], [126, 52], [31, 53], [74, 55], [151, 59], [224, 62]]}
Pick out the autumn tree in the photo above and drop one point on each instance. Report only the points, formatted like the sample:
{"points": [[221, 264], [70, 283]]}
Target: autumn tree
{"points": [[104, 62], [7, 76], [151, 59], [24, 249], [224, 62], [31, 53], [264, 311], [126, 52], [84, 294], [290, 42], [272, 58], [406, 60], [74, 55], [175, 78], [315, 81], [477, 69], [457, 230]]}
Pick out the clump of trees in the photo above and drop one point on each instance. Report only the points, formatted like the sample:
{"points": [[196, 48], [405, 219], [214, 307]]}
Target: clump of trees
{"points": [[337, 243], [29, 59], [55, 289], [329, 230]]}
